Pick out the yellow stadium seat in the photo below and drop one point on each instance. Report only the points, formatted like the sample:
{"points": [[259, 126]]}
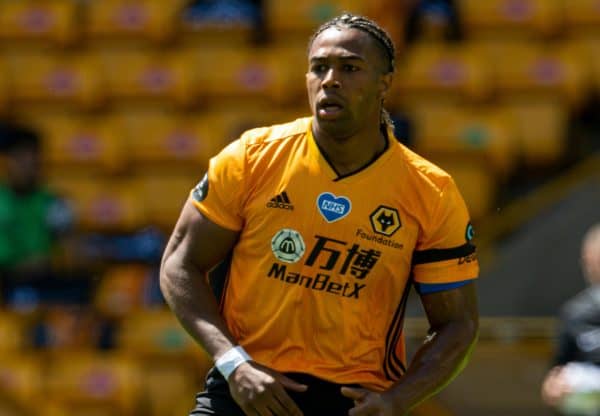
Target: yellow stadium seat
{"points": [[582, 17], [121, 290], [101, 204], [82, 144], [166, 141], [501, 19], [535, 70], [486, 133], [55, 79], [448, 73], [174, 366], [5, 89], [303, 17], [157, 333], [151, 76], [13, 328], [541, 130], [153, 20], [52, 21], [95, 383], [164, 195], [21, 376], [274, 73], [476, 182]]}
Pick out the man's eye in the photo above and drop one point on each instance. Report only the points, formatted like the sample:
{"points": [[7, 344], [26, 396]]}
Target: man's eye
{"points": [[319, 68], [350, 68]]}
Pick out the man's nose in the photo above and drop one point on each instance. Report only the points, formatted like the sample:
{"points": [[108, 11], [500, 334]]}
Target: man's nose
{"points": [[330, 80]]}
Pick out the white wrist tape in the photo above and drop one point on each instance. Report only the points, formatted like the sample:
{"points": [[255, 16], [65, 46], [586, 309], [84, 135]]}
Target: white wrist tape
{"points": [[231, 360]]}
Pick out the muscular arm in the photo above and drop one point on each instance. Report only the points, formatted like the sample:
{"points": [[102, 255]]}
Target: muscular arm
{"points": [[195, 246], [454, 323], [453, 320]]}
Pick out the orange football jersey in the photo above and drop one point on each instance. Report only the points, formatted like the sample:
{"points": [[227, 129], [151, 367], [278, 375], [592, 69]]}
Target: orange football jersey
{"points": [[319, 280]]}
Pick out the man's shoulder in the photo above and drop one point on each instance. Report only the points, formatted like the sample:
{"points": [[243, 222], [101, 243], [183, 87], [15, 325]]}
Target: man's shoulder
{"points": [[422, 171], [276, 132], [583, 305]]}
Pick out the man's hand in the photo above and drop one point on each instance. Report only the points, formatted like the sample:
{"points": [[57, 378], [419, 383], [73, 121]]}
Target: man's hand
{"points": [[555, 387], [369, 403], [259, 390]]}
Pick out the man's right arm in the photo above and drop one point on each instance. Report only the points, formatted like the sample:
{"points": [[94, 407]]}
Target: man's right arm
{"points": [[197, 245]]}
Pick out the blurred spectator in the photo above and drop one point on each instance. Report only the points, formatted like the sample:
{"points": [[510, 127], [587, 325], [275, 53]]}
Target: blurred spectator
{"points": [[32, 222], [233, 12], [433, 21], [573, 385]]}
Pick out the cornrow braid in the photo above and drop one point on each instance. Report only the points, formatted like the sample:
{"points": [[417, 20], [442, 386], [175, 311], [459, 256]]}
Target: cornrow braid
{"points": [[351, 21]]}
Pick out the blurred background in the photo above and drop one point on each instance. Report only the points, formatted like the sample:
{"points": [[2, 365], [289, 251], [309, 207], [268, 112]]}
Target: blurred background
{"points": [[110, 110]]}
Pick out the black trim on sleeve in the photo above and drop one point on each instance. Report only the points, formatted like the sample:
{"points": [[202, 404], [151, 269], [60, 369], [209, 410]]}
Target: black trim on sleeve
{"points": [[433, 255]]}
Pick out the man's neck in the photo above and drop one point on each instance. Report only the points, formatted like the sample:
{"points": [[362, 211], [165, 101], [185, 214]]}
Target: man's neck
{"points": [[348, 155]]}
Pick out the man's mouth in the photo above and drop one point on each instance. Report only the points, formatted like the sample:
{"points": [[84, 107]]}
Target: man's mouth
{"points": [[329, 108]]}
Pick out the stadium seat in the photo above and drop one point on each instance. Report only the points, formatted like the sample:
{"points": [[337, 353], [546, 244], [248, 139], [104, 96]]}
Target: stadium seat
{"points": [[74, 144], [12, 332], [174, 366], [120, 290], [164, 194], [275, 73], [169, 142], [541, 130], [50, 21], [54, 79], [516, 19], [440, 73], [151, 20], [582, 18], [486, 133], [475, 180], [21, 377], [553, 71], [301, 18], [5, 89], [149, 76], [95, 383], [101, 204]]}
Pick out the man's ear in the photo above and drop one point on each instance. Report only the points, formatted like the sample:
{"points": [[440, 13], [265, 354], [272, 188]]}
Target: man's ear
{"points": [[385, 83]]}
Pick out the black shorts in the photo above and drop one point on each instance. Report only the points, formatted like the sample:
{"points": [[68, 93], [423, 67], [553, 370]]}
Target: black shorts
{"points": [[321, 399]]}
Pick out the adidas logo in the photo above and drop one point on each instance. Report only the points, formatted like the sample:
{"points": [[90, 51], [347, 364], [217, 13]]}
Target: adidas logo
{"points": [[281, 201]]}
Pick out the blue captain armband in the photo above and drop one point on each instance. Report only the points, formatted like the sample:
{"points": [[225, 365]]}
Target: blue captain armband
{"points": [[427, 288]]}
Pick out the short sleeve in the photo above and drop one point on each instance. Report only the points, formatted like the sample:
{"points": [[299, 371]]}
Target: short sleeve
{"points": [[444, 251], [218, 196]]}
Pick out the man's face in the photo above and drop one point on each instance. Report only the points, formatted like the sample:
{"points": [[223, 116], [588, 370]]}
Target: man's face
{"points": [[345, 81], [23, 166]]}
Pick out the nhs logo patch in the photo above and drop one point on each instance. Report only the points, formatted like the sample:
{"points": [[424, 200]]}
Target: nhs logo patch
{"points": [[332, 207]]}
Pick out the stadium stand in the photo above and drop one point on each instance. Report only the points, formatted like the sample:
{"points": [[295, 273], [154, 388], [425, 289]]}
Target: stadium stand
{"points": [[95, 383], [516, 19], [86, 144], [133, 97], [147, 77], [434, 73], [21, 377], [154, 21], [74, 81], [101, 204], [33, 22], [487, 133], [173, 365]]}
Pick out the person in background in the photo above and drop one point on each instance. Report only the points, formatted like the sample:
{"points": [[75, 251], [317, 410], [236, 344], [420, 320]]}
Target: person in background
{"points": [[320, 227], [572, 386], [32, 221]]}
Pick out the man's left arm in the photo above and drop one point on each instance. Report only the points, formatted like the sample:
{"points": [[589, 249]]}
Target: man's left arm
{"points": [[454, 321]]}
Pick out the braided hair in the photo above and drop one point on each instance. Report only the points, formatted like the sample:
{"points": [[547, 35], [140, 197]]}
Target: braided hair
{"points": [[381, 37]]}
